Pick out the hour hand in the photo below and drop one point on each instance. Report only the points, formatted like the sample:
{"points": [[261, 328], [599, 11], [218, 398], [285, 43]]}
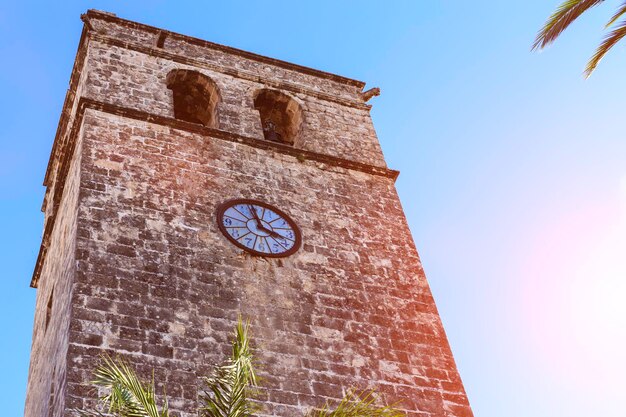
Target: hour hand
{"points": [[260, 225], [273, 233]]}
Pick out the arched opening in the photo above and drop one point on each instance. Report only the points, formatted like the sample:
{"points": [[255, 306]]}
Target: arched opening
{"points": [[195, 97], [281, 115]]}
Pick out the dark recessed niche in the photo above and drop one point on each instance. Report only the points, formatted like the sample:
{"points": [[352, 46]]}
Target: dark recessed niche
{"points": [[195, 97], [49, 309], [281, 115]]}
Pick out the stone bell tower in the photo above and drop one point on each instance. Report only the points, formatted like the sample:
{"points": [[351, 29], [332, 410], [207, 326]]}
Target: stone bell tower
{"points": [[190, 181]]}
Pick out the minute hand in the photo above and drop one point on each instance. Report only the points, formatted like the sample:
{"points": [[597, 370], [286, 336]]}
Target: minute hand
{"points": [[255, 215], [260, 225]]}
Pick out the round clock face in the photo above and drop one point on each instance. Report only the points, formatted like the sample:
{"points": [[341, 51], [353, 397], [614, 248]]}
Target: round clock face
{"points": [[258, 228]]}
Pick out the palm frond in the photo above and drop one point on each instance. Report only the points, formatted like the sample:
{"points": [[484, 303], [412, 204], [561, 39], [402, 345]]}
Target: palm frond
{"points": [[126, 395], [563, 16], [88, 413], [357, 404], [609, 42], [229, 389], [621, 10]]}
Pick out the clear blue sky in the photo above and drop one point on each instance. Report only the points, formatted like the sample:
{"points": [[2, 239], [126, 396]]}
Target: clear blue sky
{"points": [[513, 172]]}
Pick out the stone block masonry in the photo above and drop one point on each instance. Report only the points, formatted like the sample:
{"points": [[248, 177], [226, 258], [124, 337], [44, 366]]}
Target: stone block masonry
{"points": [[140, 268]]}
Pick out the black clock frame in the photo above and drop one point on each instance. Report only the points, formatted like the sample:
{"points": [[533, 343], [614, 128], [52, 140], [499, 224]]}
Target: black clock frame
{"points": [[296, 230]]}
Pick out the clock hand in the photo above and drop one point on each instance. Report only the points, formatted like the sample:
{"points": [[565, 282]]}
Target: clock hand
{"points": [[273, 233], [269, 231], [260, 225], [255, 215]]}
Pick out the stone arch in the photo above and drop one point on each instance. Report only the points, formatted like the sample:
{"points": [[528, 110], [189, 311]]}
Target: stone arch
{"points": [[195, 97], [281, 115]]}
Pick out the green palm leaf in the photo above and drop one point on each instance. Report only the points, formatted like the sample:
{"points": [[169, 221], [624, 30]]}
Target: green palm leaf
{"points": [[564, 15], [355, 404], [609, 42], [228, 392], [126, 395], [229, 389]]}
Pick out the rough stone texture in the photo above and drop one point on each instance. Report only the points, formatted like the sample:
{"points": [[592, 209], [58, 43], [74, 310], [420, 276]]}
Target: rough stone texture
{"points": [[154, 279], [234, 60], [134, 79], [46, 377]]}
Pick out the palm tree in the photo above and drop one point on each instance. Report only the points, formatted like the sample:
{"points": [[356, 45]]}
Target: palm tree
{"points": [[126, 395], [569, 11], [228, 392], [355, 404]]}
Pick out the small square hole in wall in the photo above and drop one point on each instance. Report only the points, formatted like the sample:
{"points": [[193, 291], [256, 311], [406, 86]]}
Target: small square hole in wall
{"points": [[49, 308]]}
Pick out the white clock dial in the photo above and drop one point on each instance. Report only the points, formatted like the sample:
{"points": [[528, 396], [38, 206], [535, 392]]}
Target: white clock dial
{"points": [[259, 228]]}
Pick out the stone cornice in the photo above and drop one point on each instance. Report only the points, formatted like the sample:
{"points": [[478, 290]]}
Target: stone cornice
{"points": [[85, 104], [230, 50], [301, 154], [246, 75], [69, 102]]}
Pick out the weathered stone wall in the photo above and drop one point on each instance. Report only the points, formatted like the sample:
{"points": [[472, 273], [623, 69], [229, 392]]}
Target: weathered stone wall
{"points": [[137, 80], [46, 377], [158, 282], [152, 278], [231, 60], [48, 207]]}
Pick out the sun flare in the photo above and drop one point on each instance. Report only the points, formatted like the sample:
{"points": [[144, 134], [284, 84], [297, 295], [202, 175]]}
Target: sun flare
{"points": [[575, 311]]}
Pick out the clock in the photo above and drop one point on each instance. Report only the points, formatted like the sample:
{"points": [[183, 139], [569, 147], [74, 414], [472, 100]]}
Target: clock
{"points": [[258, 228]]}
